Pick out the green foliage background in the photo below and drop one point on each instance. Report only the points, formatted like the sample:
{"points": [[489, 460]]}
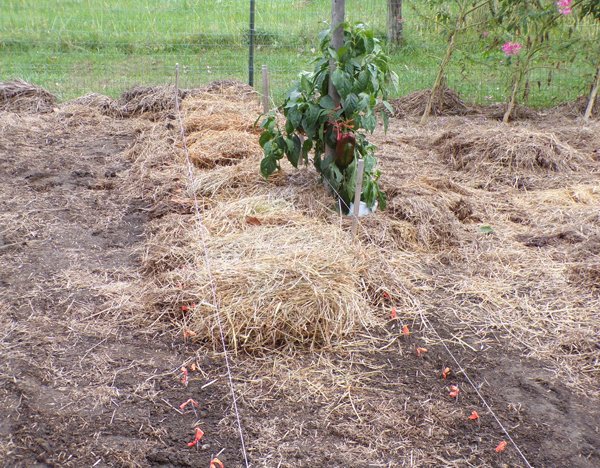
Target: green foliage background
{"points": [[76, 46]]}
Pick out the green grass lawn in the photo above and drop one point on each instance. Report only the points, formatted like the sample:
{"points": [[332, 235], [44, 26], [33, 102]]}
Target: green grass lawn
{"points": [[72, 47]]}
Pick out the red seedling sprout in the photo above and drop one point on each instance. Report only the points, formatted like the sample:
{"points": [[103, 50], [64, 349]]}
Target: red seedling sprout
{"points": [[393, 314], [446, 373], [215, 461], [454, 391], [197, 436], [474, 416], [420, 351], [194, 404], [405, 330], [501, 446], [184, 376]]}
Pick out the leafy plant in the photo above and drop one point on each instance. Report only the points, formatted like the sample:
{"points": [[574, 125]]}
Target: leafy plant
{"points": [[313, 121]]}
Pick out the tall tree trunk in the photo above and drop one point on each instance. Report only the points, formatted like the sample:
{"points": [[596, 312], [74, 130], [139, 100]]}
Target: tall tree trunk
{"points": [[593, 95], [394, 21]]}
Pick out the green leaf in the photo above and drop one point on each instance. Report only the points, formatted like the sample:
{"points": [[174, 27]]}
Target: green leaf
{"points": [[342, 82], [264, 137], [486, 229], [386, 120], [294, 148], [268, 165], [350, 104], [310, 119], [294, 117], [327, 103], [306, 147]]}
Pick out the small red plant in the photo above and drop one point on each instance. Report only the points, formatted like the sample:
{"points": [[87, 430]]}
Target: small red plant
{"points": [[446, 372], [421, 351], [184, 376], [501, 446], [198, 434], [454, 391], [194, 404], [216, 462], [405, 330], [474, 416], [393, 314]]}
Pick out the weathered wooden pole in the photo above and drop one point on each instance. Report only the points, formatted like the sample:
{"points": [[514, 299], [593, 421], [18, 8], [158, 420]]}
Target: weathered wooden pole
{"points": [[251, 33], [265, 89], [338, 14], [360, 170]]}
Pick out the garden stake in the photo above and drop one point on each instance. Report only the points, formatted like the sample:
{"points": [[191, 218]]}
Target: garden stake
{"points": [[265, 88], [357, 193]]}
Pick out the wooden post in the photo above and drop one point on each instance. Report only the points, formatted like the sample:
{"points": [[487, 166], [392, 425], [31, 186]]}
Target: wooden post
{"points": [[338, 13], [251, 32], [265, 89], [592, 98], [394, 21], [360, 169]]}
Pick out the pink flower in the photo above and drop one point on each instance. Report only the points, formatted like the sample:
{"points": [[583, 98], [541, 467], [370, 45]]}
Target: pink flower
{"points": [[564, 7], [511, 48]]}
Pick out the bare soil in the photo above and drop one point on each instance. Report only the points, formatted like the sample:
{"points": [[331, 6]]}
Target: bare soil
{"points": [[85, 382]]}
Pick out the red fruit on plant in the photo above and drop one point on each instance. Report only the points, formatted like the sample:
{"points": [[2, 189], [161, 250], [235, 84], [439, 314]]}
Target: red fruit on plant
{"points": [[344, 150]]}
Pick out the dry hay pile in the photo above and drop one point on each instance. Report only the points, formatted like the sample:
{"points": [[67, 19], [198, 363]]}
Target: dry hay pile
{"points": [[222, 148], [578, 107], [496, 112], [214, 111], [103, 103], [147, 99], [446, 102], [20, 96], [585, 268], [499, 149], [280, 278]]}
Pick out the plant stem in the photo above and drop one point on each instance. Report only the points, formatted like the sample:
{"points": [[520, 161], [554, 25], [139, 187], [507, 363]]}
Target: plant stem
{"points": [[593, 94], [441, 72]]}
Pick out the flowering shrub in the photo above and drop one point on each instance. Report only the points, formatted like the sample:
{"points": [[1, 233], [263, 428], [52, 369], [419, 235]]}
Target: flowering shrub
{"points": [[511, 48], [564, 7]]}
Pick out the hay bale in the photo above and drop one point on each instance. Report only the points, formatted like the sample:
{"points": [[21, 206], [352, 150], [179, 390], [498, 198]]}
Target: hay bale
{"points": [[210, 148], [20, 96], [282, 279], [94, 100], [148, 99], [447, 102], [220, 112], [498, 149], [233, 89], [432, 217]]}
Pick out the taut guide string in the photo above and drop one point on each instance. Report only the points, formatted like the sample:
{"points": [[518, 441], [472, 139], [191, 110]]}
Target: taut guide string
{"points": [[202, 229]]}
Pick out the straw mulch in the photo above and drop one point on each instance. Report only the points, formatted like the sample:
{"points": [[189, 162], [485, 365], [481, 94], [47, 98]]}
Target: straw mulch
{"points": [[208, 110], [102, 103], [280, 279], [577, 108], [222, 148], [498, 149], [20, 96], [447, 102]]}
